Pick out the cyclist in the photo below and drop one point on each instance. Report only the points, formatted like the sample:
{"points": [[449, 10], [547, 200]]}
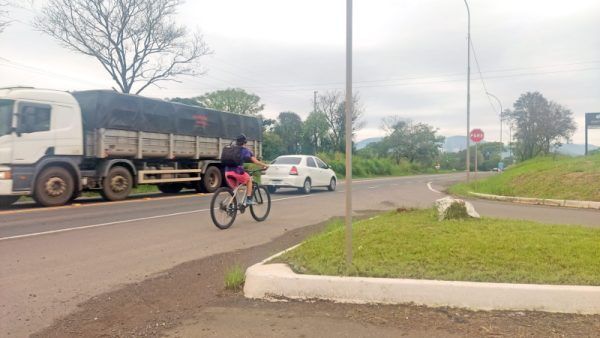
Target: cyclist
{"points": [[238, 173]]}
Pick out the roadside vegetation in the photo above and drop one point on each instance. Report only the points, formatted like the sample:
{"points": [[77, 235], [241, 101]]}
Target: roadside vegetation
{"points": [[557, 177], [414, 244], [234, 278]]}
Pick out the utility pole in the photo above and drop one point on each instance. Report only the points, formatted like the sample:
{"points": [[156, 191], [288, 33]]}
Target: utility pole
{"points": [[315, 102], [468, 92], [348, 134]]}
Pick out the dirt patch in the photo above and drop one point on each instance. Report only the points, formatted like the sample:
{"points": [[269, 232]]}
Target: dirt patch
{"points": [[183, 300]]}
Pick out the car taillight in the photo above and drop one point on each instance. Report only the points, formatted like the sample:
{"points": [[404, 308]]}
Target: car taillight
{"points": [[294, 171]]}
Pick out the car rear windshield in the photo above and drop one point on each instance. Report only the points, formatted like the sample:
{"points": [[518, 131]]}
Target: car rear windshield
{"points": [[287, 160]]}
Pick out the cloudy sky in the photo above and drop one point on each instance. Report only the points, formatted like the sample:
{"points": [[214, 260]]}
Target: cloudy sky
{"points": [[409, 57]]}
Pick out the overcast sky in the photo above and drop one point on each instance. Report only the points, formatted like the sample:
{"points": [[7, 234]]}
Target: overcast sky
{"points": [[409, 57]]}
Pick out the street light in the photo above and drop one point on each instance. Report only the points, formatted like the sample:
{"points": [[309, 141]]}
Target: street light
{"points": [[501, 116], [468, 93], [349, 134]]}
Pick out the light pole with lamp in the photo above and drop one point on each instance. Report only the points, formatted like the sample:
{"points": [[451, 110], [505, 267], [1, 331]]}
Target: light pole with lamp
{"points": [[501, 114], [468, 93]]}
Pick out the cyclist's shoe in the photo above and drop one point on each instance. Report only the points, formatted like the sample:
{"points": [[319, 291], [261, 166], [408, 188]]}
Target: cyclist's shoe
{"points": [[249, 201]]}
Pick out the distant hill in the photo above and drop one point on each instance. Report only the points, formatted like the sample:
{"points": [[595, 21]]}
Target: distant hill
{"points": [[361, 144], [454, 144], [575, 149]]}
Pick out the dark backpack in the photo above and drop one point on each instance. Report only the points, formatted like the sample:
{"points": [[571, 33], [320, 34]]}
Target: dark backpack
{"points": [[231, 156]]}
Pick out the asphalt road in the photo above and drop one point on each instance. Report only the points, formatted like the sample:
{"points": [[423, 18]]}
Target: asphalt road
{"points": [[55, 258]]}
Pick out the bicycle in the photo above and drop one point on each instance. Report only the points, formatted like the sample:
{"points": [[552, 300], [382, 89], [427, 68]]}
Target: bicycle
{"points": [[227, 201]]}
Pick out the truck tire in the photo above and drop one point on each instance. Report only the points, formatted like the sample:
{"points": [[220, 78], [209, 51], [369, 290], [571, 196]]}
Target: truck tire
{"points": [[7, 201], [117, 185], [170, 188], [211, 180], [54, 186]]}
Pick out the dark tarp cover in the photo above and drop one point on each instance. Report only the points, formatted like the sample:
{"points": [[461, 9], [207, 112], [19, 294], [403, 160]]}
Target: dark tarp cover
{"points": [[111, 110]]}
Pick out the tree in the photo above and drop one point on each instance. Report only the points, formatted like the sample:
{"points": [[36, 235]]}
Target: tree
{"points": [[4, 19], [315, 132], [135, 41], [416, 142], [541, 125], [234, 100], [332, 105], [272, 146], [289, 129]]}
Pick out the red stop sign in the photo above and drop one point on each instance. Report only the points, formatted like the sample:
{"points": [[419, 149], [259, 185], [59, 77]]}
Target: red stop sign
{"points": [[476, 135]]}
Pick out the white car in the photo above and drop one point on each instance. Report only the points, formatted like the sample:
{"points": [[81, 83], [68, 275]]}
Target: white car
{"points": [[299, 171]]}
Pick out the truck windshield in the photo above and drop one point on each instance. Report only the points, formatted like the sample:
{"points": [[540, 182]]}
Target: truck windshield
{"points": [[6, 109]]}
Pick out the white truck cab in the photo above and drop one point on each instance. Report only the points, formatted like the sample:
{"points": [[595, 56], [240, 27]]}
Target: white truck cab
{"points": [[35, 123]]}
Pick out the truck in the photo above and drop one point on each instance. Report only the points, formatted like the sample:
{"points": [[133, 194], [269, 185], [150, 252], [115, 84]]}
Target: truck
{"points": [[54, 144]]}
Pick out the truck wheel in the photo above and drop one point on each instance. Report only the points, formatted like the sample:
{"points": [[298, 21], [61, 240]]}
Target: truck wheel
{"points": [[7, 201], [54, 186], [170, 188], [211, 180], [117, 184]]}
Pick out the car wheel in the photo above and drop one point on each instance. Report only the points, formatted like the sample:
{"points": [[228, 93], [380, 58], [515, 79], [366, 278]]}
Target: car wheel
{"points": [[272, 189], [332, 184], [306, 187]]}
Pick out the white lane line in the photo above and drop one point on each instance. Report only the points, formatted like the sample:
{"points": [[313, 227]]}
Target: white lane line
{"points": [[431, 188], [125, 221], [373, 187]]}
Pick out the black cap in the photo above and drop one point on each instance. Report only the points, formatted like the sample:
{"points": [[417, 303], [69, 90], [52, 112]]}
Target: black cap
{"points": [[241, 139]]}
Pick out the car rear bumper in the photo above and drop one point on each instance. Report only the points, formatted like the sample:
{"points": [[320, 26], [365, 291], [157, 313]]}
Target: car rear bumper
{"points": [[290, 181]]}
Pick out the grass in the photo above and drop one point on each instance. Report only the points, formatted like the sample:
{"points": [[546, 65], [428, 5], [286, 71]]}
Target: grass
{"points": [[573, 178], [414, 244], [234, 278]]}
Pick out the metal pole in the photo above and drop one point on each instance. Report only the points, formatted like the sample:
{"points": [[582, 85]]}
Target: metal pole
{"points": [[476, 160], [501, 117], [349, 105], [586, 135], [315, 102], [468, 92]]}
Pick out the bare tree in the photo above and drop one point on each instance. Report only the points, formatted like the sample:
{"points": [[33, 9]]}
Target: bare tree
{"points": [[332, 104], [136, 41], [4, 19]]}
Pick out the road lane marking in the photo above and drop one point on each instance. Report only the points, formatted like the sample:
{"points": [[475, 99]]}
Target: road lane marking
{"points": [[127, 221], [93, 204], [431, 188]]}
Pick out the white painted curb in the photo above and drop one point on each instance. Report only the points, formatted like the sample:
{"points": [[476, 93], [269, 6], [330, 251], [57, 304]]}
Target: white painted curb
{"points": [[541, 201], [269, 281]]}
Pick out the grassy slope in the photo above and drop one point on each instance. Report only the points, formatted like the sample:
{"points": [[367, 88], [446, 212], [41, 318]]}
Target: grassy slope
{"points": [[415, 245], [547, 177]]}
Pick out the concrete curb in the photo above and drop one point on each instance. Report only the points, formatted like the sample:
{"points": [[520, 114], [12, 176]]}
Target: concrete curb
{"points": [[270, 281], [540, 201]]}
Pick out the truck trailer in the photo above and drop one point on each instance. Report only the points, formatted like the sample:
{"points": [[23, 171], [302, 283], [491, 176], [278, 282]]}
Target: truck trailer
{"points": [[55, 145]]}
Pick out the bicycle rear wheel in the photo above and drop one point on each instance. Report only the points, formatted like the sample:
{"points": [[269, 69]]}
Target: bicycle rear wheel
{"points": [[262, 203], [223, 208]]}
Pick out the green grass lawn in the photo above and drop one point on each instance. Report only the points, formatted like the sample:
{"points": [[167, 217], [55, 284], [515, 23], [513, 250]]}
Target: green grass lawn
{"points": [[415, 245], [573, 178]]}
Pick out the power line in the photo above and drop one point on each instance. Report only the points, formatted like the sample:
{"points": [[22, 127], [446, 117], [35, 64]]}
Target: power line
{"points": [[481, 76]]}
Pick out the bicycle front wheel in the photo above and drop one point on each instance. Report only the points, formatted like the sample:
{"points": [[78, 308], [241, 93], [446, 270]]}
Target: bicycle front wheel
{"points": [[262, 203], [223, 208]]}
